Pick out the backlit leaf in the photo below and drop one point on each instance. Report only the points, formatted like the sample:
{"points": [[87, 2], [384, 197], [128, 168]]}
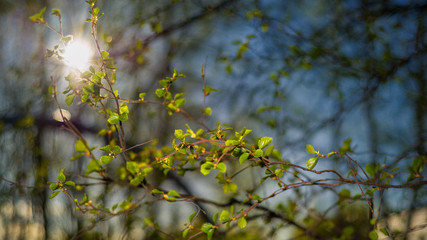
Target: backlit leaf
{"points": [[311, 163]]}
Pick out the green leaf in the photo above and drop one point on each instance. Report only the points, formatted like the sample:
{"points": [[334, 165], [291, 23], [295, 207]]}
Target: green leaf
{"points": [[330, 154], [209, 89], [100, 74], [53, 186], [225, 216], [199, 132], [215, 217], [93, 166], [132, 167], [124, 109], [243, 157], [106, 148], [231, 142], [242, 222], [191, 217], [268, 151], [142, 96], [206, 227], [104, 54], [173, 193], [417, 165], [69, 99], [56, 12], [54, 194], [206, 168], [210, 233], [207, 111], [373, 235], [114, 118], [311, 163], [346, 146], [345, 193], [179, 102], [61, 176], [384, 231], [221, 167], [70, 183], [116, 149], [160, 92], [179, 134], [80, 146], [185, 233], [371, 169], [106, 159], [258, 153], [229, 187], [311, 150], [38, 17], [67, 38], [264, 141], [156, 191]]}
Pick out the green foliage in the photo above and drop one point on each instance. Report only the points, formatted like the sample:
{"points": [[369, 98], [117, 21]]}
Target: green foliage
{"points": [[144, 167], [38, 17]]}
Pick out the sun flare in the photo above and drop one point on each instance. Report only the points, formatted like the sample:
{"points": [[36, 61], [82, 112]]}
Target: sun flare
{"points": [[77, 54]]}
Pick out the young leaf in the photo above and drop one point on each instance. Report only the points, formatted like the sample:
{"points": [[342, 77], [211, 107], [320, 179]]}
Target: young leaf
{"points": [[215, 217], [54, 194], [311, 163], [56, 12], [310, 149], [242, 222], [132, 167], [53, 186], [258, 153], [225, 216], [69, 99], [114, 118], [206, 168], [243, 158], [61, 176], [268, 151], [93, 166], [206, 227], [106, 159], [173, 193], [191, 217], [185, 233], [373, 235], [207, 111], [156, 191], [80, 146], [104, 54], [38, 17], [210, 233], [264, 141], [221, 167], [142, 96], [70, 183]]}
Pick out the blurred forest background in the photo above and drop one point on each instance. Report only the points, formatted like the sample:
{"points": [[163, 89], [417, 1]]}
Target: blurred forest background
{"points": [[302, 72]]}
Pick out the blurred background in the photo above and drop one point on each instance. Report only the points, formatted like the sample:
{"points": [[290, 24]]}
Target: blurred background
{"points": [[302, 72]]}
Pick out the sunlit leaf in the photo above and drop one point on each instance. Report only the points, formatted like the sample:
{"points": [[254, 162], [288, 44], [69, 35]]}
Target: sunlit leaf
{"points": [[310, 149], [242, 222], [264, 141], [54, 194], [173, 193], [311, 163]]}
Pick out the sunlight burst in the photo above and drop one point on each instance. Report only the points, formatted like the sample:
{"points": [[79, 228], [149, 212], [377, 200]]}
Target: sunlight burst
{"points": [[77, 54]]}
